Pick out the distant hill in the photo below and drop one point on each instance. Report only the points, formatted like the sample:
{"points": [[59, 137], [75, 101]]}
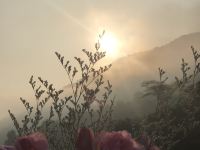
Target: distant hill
{"points": [[129, 72]]}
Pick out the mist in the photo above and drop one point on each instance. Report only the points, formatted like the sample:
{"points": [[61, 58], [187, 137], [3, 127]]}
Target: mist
{"points": [[152, 34]]}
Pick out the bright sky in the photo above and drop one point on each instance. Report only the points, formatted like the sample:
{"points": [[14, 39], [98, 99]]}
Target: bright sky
{"points": [[31, 30]]}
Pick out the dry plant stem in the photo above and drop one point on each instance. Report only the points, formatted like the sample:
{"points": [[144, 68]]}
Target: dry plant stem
{"points": [[68, 115]]}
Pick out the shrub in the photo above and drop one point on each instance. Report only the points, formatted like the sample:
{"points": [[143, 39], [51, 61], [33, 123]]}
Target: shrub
{"points": [[71, 112], [178, 108]]}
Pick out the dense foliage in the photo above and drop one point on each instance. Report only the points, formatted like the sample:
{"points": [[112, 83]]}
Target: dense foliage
{"points": [[177, 114], [175, 122]]}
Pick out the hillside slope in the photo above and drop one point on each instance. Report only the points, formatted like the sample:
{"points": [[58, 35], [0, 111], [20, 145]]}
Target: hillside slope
{"points": [[127, 73]]}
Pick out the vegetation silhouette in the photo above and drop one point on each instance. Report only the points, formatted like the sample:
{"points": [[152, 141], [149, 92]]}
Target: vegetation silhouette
{"points": [[69, 113], [177, 115], [173, 125]]}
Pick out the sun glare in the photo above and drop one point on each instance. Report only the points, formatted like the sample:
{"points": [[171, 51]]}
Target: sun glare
{"points": [[110, 44]]}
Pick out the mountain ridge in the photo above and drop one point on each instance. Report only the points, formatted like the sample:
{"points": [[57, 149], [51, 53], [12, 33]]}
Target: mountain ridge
{"points": [[144, 66]]}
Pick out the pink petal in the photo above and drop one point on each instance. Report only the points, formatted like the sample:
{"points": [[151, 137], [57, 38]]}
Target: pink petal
{"points": [[35, 141], [85, 139]]}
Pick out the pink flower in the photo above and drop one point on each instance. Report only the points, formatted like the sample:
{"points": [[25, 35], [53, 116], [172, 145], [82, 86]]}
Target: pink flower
{"points": [[85, 139], [120, 140], [35, 141]]}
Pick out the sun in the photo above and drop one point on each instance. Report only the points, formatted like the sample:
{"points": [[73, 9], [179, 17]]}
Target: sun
{"points": [[110, 44]]}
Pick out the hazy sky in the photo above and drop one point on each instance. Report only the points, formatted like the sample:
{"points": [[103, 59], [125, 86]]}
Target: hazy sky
{"points": [[31, 30]]}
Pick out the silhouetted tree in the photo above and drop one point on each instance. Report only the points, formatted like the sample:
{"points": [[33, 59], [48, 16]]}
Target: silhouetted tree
{"points": [[160, 90]]}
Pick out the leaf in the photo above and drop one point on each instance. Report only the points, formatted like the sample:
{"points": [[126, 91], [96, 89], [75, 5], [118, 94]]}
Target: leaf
{"points": [[62, 59], [97, 46]]}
